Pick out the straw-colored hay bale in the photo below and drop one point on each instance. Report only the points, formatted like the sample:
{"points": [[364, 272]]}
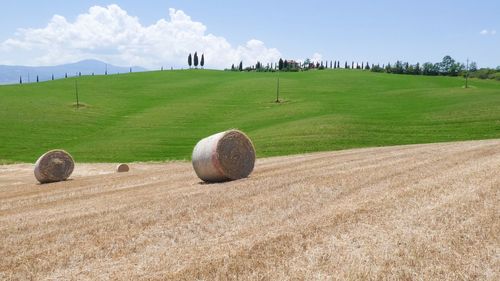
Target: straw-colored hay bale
{"points": [[122, 168], [54, 166], [224, 156]]}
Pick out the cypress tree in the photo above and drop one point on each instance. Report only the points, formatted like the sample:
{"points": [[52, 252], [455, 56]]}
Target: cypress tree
{"points": [[20, 79], [195, 60], [241, 66], [52, 77], [280, 64], [37, 79], [66, 75], [190, 61], [202, 62]]}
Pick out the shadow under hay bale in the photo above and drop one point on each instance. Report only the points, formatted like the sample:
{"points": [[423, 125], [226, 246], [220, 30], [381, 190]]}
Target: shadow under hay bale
{"points": [[54, 166], [224, 156]]}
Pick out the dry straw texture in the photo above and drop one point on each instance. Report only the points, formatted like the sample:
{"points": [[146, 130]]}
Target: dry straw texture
{"points": [[54, 166], [121, 168], [420, 212], [224, 156]]}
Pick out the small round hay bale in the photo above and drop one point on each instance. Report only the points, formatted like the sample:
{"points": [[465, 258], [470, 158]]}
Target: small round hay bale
{"points": [[122, 168], [54, 166], [224, 156]]}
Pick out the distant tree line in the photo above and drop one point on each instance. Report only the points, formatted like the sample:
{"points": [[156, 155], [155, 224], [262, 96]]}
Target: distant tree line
{"points": [[447, 67], [294, 66]]}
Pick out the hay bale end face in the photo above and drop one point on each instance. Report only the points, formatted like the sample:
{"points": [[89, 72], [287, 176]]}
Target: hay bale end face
{"points": [[224, 156], [54, 166], [122, 168]]}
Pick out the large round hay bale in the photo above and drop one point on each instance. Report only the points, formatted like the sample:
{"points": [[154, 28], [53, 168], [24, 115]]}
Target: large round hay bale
{"points": [[224, 156], [54, 166], [122, 168]]}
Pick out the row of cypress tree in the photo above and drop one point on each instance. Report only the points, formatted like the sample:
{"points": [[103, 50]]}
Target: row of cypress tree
{"points": [[194, 60]]}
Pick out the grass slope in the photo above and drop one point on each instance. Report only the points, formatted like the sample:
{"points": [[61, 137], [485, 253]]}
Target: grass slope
{"points": [[161, 115]]}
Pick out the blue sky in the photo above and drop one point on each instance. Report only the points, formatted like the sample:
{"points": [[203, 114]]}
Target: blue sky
{"points": [[374, 31]]}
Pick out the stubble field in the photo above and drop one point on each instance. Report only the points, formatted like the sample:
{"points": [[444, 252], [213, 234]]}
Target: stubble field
{"points": [[419, 212]]}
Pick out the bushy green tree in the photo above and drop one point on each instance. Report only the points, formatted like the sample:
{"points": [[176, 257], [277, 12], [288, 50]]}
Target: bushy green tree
{"points": [[429, 68]]}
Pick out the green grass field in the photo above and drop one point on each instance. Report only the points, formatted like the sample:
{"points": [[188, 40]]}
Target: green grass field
{"points": [[161, 115]]}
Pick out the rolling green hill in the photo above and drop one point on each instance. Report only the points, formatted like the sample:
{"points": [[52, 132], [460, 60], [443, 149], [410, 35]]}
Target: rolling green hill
{"points": [[161, 115]]}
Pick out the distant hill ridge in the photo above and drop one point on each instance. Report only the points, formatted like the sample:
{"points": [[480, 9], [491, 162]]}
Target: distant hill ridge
{"points": [[10, 74]]}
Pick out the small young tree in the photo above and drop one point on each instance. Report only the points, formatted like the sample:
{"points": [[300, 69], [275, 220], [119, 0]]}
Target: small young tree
{"points": [[195, 60], [190, 60]]}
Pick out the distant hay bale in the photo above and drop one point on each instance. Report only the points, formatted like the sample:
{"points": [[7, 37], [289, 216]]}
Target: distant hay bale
{"points": [[122, 168], [224, 156], [54, 166]]}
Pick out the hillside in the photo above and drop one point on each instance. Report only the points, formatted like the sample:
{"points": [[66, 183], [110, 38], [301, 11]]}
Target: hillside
{"points": [[419, 212], [161, 115]]}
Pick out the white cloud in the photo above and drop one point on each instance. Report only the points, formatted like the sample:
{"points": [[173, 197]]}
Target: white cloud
{"points": [[488, 32], [316, 57], [112, 35]]}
